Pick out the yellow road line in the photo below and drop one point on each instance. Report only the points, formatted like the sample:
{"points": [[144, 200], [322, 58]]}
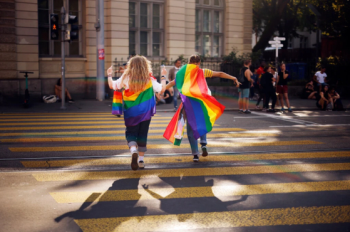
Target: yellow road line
{"points": [[227, 219], [112, 126], [116, 138], [220, 171], [73, 123], [159, 146], [183, 159], [194, 192], [69, 119], [99, 132]]}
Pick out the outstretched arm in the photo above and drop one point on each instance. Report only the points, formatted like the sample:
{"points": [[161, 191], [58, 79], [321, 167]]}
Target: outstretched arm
{"points": [[110, 80], [170, 84], [226, 76]]}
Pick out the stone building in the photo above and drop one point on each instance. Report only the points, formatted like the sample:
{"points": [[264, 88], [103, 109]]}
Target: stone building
{"points": [[154, 28]]}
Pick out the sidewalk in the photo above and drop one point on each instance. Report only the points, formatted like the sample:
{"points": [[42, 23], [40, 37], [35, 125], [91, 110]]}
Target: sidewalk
{"points": [[105, 106]]}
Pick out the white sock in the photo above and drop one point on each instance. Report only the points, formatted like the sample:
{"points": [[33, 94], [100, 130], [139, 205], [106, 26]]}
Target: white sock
{"points": [[133, 149], [140, 158]]}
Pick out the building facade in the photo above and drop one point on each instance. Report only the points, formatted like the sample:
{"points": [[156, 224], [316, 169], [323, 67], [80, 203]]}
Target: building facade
{"points": [[158, 29]]}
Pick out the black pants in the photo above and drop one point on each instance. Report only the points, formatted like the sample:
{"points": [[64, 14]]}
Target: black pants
{"points": [[261, 96], [270, 94], [137, 135]]}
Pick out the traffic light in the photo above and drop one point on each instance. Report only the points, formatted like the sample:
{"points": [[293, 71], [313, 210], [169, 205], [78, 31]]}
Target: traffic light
{"points": [[72, 32], [54, 26]]}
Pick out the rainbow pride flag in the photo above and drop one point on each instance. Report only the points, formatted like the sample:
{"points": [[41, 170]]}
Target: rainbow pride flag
{"points": [[201, 109], [117, 105], [140, 106]]}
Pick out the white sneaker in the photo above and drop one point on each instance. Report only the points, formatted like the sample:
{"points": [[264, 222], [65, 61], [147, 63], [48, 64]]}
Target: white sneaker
{"points": [[141, 164]]}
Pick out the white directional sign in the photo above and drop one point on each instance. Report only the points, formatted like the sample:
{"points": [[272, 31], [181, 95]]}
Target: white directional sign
{"points": [[279, 38], [274, 42], [277, 45]]}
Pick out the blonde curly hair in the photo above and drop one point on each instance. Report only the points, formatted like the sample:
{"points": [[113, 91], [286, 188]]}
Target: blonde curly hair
{"points": [[138, 71]]}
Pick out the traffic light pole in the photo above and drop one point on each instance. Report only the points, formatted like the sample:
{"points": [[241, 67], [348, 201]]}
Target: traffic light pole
{"points": [[63, 65], [100, 85]]}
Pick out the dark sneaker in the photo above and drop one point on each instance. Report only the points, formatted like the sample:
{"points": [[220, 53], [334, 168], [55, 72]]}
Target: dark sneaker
{"points": [[71, 100], [204, 151], [195, 158], [290, 110], [141, 165], [134, 165], [247, 112], [241, 111], [118, 115], [270, 111]]}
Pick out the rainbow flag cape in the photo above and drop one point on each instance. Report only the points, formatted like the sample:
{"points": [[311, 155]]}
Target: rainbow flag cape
{"points": [[201, 109], [117, 105], [140, 106]]}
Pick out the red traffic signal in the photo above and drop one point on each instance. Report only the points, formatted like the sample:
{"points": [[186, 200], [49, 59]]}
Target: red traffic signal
{"points": [[54, 26]]}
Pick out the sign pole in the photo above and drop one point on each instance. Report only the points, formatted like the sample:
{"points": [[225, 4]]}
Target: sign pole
{"points": [[100, 85], [63, 71]]}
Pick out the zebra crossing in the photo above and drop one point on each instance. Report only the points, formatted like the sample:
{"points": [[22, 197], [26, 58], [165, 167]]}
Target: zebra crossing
{"points": [[224, 191]]}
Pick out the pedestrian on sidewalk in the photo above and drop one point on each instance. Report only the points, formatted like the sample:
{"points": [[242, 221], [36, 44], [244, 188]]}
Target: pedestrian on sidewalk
{"points": [[275, 75], [172, 75], [138, 87], [260, 72], [267, 81], [243, 90], [321, 78], [198, 107], [282, 87]]}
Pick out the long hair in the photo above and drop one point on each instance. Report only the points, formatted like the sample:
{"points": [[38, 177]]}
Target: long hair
{"points": [[138, 70]]}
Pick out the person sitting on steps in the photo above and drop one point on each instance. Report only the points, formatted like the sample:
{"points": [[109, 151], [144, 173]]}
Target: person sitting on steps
{"points": [[58, 92]]}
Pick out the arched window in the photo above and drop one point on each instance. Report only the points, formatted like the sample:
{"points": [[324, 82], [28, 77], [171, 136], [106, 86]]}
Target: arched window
{"points": [[209, 27]]}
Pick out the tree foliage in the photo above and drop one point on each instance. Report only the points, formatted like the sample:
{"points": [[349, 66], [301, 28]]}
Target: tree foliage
{"points": [[287, 16]]}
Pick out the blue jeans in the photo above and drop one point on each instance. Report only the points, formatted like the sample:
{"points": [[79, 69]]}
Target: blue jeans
{"points": [[194, 142], [176, 94]]}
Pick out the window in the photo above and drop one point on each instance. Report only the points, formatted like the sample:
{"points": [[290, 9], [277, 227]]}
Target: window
{"points": [[48, 47], [146, 28], [209, 27]]}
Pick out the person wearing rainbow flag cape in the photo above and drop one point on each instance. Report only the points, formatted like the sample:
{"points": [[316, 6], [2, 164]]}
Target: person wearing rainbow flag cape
{"points": [[138, 104], [198, 107]]}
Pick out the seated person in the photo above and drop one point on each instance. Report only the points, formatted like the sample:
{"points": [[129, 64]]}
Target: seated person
{"points": [[335, 100], [169, 95], [323, 98], [159, 99], [309, 92], [58, 92]]}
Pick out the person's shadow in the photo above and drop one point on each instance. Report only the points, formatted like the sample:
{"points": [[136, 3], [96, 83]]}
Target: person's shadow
{"points": [[108, 209], [187, 204]]}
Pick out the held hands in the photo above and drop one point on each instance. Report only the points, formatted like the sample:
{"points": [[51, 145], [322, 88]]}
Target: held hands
{"points": [[110, 71], [237, 83]]}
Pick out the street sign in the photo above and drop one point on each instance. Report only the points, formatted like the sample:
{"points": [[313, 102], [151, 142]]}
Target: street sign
{"points": [[279, 38], [275, 42], [277, 45]]}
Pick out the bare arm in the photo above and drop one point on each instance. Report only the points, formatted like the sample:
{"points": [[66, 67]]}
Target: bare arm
{"points": [[110, 80], [170, 84], [323, 97], [285, 75], [315, 79], [226, 76]]}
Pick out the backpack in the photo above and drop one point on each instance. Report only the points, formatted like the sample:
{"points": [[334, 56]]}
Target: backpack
{"points": [[50, 99], [241, 76]]}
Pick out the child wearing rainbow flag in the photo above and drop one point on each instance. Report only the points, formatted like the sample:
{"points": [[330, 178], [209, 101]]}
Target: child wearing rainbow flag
{"points": [[198, 107], [139, 89]]}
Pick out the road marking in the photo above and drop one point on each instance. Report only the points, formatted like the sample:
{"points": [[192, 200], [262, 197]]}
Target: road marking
{"points": [[285, 118], [73, 123], [220, 171], [110, 132], [183, 159], [69, 119], [315, 125], [196, 192], [226, 219], [55, 114], [160, 146], [112, 126], [118, 138]]}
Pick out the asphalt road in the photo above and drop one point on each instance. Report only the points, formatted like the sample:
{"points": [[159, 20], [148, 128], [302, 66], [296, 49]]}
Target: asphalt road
{"points": [[265, 172]]}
